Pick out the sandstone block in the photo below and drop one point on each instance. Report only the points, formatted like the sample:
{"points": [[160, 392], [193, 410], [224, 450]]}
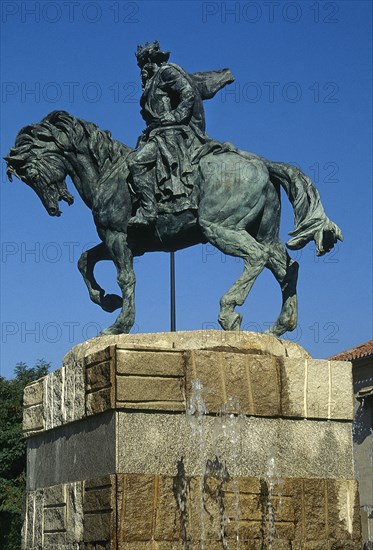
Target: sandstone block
{"points": [[55, 519], [238, 387], [74, 393], [100, 401], [141, 389], [152, 363], [55, 495], [98, 527], [247, 530], [136, 515], [93, 357], [343, 510], [99, 376], [206, 366], [314, 502], [33, 394], [244, 507], [265, 384], [74, 512], [167, 518], [55, 541], [243, 486], [316, 389], [98, 499], [33, 419]]}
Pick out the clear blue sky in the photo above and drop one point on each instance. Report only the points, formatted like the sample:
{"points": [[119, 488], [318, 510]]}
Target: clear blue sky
{"points": [[302, 94]]}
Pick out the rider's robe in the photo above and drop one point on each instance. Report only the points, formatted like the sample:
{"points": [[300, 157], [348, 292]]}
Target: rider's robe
{"points": [[182, 144]]}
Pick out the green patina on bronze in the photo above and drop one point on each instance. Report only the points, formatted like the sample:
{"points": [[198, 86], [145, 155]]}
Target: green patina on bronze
{"points": [[178, 188]]}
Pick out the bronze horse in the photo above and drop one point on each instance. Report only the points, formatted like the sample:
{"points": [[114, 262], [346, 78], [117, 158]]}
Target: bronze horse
{"points": [[238, 212]]}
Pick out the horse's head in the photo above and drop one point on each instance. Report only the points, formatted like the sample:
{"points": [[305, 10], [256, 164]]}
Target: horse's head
{"points": [[37, 159]]}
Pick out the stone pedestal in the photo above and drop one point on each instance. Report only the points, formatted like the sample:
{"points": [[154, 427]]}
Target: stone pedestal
{"points": [[212, 440]]}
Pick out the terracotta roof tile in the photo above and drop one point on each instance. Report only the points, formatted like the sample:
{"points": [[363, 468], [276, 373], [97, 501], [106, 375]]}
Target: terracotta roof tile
{"points": [[363, 350]]}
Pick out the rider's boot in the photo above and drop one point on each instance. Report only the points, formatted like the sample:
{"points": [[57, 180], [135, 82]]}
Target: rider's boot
{"points": [[144, 186]]}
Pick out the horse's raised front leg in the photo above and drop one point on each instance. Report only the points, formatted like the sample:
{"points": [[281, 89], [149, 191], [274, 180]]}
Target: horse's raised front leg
{"points": [[285, 271], [116, 243], [255, 256], [86, 264]]}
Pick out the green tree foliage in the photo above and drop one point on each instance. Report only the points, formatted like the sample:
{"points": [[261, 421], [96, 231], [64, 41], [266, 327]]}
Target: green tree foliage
{"points": [[13, 452]]}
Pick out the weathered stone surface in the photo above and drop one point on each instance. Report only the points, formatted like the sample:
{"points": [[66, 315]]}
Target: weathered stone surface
{"points": [[55, 519], [33, 420], [314, 503], [343, 510], [161, 379], [103, 475], [253, 342], [74, 393], [98, 499], [99, 376], [100, 401], [94, 357], [100, 381], [265, 385], [55, 495], [53, 399], [99, 510], [98, 527], [74, 452], [140, 389], [150, 380], [317, 389], [60, 398], [74, 507], [33, 394], [342, 400], [153, 363], [155, 443], [167, 520], [141, 511], [138, 503], [250, 381]]}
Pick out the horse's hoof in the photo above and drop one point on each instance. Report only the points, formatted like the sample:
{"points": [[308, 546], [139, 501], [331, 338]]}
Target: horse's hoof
{"points": [[111, 331], [111, 302], [276, 331], [231, 322], [108, 332], [236, 323]]}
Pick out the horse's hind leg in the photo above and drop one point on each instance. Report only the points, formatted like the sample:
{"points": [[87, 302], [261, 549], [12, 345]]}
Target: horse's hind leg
{"points": [[285, 271], [237, 294], [255, 257]]}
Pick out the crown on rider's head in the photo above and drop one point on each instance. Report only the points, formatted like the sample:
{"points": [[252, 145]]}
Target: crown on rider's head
{"points": [[152, 53]]}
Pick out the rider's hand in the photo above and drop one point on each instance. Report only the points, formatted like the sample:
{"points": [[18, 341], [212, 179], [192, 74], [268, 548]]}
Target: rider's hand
{"points": [[167, 118]]}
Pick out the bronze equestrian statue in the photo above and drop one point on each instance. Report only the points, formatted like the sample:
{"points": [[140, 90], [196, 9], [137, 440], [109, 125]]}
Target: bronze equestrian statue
{"points": [[178, 188]]}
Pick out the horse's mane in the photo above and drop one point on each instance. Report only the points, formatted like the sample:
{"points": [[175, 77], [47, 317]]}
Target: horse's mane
{"points": [[67, 131]]}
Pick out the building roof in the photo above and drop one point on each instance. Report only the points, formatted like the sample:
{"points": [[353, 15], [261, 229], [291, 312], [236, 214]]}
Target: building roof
{"points": [[358, 352]]}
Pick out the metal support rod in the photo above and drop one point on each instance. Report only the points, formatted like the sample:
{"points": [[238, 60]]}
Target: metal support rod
{"points": [[172, 289]]}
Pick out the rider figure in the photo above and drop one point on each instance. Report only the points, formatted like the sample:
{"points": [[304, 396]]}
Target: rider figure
{"points": [[171, 105]]}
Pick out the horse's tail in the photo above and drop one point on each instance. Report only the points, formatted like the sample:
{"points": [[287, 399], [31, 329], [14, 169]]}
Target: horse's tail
{"points": [[310, 220]]}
